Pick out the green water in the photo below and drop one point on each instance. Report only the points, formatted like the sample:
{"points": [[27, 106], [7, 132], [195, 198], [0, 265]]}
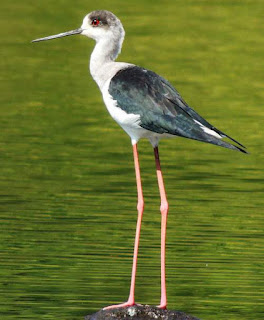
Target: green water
{"points": [[68, 194]]}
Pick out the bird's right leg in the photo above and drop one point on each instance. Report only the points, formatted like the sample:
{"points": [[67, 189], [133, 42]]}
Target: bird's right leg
{"points": [[164, 208], [140, 208]]}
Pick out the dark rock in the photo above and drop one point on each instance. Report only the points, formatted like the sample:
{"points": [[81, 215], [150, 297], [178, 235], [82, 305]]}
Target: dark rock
{"points": [[139, 312]]}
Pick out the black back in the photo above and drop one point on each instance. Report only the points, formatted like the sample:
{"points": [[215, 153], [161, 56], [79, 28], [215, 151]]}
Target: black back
{"points": [[160, 106]]}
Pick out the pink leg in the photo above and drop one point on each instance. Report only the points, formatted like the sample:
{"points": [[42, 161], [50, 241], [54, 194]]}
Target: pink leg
{"points": [[164, 208], [140, 208]]}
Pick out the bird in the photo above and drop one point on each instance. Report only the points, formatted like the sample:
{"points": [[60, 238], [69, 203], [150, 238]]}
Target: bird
{"points": [[145, 105]]}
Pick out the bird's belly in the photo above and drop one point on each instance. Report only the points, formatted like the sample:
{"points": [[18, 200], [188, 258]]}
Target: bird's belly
{"points": [[128, 121], [123, 118]]}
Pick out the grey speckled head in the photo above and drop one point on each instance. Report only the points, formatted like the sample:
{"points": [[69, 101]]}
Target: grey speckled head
{"points": [[102, 24], [103, 18]]}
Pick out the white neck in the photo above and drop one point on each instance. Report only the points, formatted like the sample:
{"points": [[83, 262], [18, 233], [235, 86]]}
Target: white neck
{"points": [[104, 54]]}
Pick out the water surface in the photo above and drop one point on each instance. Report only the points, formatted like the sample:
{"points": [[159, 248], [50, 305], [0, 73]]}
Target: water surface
{"points": [[68, 194]]}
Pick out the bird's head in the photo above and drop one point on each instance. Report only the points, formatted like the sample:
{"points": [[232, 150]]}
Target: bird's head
{"points": [[102, 24], [98, 25]]}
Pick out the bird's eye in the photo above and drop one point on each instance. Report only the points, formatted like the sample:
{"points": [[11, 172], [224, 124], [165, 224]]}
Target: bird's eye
{"points": [[95, 22]]}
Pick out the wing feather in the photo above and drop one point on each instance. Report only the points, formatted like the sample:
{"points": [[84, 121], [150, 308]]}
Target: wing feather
{"points": [[160, 106]]}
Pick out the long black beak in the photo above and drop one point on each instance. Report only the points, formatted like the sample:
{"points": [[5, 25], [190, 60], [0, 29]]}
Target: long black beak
{"points": [[60, 35]]}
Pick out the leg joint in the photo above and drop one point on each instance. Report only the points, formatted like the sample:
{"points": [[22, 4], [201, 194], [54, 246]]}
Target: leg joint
{"points": [[164, 207], [140, 206]]}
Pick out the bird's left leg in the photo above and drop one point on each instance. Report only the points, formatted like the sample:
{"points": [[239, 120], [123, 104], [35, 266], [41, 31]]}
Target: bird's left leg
{"points": [[164, 208], [140, 208]]}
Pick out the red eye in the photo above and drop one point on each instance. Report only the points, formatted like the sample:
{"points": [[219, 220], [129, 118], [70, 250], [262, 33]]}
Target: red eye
{"points": [[95, 22]]}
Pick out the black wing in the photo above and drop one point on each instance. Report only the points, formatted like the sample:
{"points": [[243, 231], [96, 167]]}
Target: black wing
{"points": [[160, 106]]}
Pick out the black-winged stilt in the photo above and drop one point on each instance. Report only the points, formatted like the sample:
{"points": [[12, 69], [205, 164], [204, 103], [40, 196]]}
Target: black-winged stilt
{"points": [[145, 105]]}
